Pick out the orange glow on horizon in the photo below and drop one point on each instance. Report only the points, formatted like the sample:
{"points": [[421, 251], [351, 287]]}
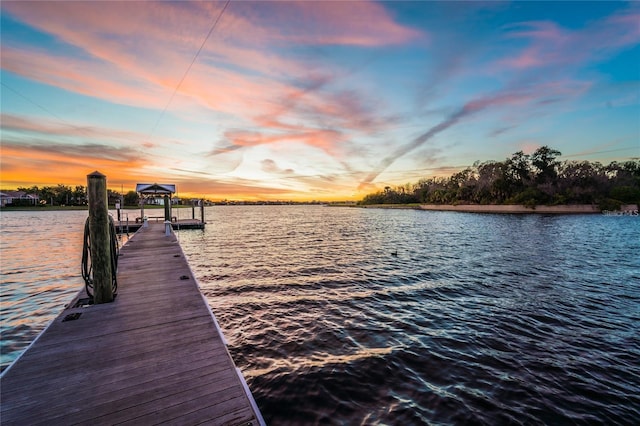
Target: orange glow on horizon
{"points": [[300, 101]]}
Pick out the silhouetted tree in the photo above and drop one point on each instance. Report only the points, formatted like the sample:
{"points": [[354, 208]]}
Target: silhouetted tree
{"points": [[131, 198], [544, 160], [522, 179], [79, 195]]}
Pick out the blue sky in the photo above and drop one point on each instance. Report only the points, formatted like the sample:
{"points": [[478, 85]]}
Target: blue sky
{"points": [[309, 100]]}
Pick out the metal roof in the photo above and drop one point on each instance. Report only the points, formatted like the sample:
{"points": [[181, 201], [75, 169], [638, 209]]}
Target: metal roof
{"points": [[155, 188]]}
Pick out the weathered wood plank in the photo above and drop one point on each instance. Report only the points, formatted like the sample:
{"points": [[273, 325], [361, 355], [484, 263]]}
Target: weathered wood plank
{"points": [[129, 370], [213, 396], [154, 355], [121, 390], [132, 361], [192, 411], [105, 401], [58, 355]]}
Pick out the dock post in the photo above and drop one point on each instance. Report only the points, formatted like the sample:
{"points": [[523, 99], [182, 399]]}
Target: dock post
{"points": [[99, 237], [167, 211], [167, 227], [202, 210], [193, 211], [142, 216], [118, 204]]}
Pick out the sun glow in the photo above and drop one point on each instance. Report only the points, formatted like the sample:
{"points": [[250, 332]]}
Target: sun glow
{"points": [[325, 106]]}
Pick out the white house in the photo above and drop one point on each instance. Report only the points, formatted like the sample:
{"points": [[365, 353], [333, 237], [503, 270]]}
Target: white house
{"points": [[8, 197]]}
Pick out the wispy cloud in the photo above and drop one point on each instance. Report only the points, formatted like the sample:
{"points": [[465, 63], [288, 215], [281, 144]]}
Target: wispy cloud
{"points": [[150, 43], [134, 55], [44, 162], [500, 99], [328, 23], [549, 45], [316, 95], [9, 122], [270, 166]]}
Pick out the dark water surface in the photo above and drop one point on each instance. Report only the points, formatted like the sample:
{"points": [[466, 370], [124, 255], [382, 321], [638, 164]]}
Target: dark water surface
{"points": [[479, 319]]}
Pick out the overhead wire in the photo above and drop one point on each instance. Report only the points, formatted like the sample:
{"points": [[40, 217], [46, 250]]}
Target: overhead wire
{"points": [[48, 111], [84, 129], [184, 76]]}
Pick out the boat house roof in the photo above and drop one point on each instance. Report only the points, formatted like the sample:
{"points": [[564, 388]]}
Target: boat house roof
{"points": [[155, 188]]}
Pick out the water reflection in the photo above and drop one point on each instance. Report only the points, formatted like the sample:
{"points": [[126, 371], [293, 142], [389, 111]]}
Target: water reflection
{"points": [[480, 318]]}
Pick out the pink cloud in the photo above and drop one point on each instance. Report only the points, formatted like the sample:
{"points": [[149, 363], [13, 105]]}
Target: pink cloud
{"points": [[22, 124], [135, 53], [531, 95], [327, 23], [133, 57], [529, 58], [270, 166], [622, 29], [550, 45], [540, 30], [156, 40], [327, 140], [501, 99], [79, 76], [528, 147]]}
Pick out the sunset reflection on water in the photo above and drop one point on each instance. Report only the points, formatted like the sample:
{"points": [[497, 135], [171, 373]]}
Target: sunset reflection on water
{"points": [[40, 254]]}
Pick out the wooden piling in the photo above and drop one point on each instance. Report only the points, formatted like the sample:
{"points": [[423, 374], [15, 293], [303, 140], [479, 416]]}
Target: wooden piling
{"points": [[202, 210], [99, 237], [167, 209], [142, 209]]}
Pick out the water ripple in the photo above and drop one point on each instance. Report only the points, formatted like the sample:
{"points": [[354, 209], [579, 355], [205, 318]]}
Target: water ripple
{"points": [[479, 319], [482, 319]]}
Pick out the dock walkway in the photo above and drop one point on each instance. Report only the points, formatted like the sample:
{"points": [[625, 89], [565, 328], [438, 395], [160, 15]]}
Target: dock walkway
{"points": [[126, 227], [154, 355]]}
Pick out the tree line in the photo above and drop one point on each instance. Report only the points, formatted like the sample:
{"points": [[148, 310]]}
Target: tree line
{"points": [[63, 195], [535, 179]]}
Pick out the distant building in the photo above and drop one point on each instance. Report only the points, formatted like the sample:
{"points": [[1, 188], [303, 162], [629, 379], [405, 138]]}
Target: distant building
{"points": [[18, 197], [153, 193], [160, 201]]}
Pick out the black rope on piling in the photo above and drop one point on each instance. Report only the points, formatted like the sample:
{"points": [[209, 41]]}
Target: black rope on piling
{"points": [[87, 260]]}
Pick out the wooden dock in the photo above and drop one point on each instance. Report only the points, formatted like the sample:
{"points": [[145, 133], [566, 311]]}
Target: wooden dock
{"points": [[154, 355], [126, 227]]}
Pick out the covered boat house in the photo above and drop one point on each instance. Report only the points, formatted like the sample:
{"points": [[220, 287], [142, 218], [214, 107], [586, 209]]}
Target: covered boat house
{"points": [[155, 190]]}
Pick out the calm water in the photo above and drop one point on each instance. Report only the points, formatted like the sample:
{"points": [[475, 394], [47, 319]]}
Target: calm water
{"points": [[479, 319]]}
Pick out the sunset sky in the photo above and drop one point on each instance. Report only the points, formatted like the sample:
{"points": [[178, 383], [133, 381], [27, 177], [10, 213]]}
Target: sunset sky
{"points": [[309, 100]]}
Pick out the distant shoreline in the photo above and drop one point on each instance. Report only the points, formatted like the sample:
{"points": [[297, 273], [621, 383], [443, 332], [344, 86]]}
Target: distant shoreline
{"points": [[517, 208], [63, 208], [505, 208], [632, 209]]}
